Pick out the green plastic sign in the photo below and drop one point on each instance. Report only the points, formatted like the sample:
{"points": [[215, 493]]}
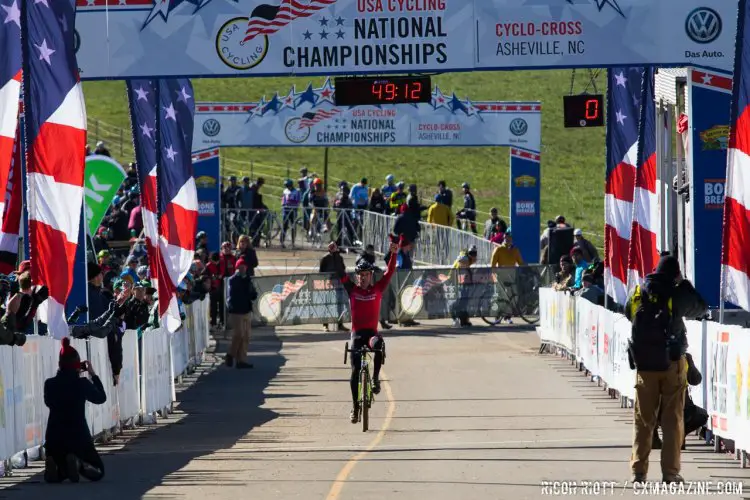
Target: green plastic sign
{"points": [[102, 180]]}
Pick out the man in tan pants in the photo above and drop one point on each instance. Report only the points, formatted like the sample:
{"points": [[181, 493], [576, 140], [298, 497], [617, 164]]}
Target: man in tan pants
{"points": [[240, 297], [657, 351]]}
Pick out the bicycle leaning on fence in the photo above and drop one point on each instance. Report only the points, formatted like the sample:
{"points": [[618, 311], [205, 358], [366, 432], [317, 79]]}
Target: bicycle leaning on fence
{"points": [[365, 392], [509, 299]]}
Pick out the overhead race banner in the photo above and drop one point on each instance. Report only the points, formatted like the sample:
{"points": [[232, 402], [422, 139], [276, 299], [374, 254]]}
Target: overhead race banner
{"points": [[103, 178], [204, 38], [206, 171], [309, 118]]}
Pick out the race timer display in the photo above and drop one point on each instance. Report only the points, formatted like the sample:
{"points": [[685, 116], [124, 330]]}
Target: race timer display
{"points": [[582, 111], [382, 90]]}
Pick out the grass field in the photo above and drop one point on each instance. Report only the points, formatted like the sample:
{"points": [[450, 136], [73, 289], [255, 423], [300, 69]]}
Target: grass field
{"points": [[572, 160]]}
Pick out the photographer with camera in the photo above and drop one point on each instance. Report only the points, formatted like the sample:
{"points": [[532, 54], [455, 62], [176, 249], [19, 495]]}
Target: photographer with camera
{"points": [[68, 443], [657, 351]]}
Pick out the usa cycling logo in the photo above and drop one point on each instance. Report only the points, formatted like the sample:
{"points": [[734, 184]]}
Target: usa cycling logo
{"points": [[211, 127], [519, 127], [703, 25]]}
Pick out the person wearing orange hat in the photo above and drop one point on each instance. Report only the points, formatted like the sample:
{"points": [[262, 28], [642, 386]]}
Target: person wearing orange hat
{"points": [[68, 444]]}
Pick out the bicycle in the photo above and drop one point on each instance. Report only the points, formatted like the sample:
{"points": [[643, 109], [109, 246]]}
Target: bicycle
{"points": [[507, 302], [366, 396]]}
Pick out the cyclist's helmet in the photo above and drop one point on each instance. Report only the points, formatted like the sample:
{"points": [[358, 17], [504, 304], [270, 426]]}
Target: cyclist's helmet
{"points": [[318, 181], [364, 266], [288, 183], [465, 185], [472, 251], [389, 178], [343, 184], [201, 234], [246, 179], [400, 185]]}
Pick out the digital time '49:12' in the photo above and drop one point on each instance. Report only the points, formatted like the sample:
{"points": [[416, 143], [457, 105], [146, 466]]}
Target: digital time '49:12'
{"points": [[390, 91]]}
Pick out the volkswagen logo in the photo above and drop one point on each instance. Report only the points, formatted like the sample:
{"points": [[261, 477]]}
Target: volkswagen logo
{"points": [[211, 127], [703, 25], [518, 127]]}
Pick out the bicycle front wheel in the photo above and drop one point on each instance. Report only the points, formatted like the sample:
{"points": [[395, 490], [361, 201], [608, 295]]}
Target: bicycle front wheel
{"points": [[365, 403], [497, 311]]}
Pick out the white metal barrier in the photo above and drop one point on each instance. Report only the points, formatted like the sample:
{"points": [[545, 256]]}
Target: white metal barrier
{"points": [[142, 389], [598, 339]]}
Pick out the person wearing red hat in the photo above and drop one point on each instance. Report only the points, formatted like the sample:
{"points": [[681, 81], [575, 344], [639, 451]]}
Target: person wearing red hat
{"points": [[68, 444], [240, 297]]}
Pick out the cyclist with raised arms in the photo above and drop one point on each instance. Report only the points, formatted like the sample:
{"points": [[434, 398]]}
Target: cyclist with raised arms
{"points": [[364, 302]]}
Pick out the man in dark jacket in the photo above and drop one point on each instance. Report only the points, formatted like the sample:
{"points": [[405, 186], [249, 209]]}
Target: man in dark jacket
{"points": [[469, 212], [68, 443], [657, 351], [240, 297], [333, 263], [97, 303]]}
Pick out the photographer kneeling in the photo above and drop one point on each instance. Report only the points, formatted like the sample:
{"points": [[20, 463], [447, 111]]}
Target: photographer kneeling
{"points": [[68, 443]]}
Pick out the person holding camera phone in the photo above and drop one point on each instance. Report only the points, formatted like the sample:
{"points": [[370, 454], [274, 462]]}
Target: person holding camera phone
{"points": [[68, 443], [657, 352]]}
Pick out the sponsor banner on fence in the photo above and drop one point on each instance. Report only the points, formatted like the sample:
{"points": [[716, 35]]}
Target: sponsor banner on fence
{"points": [[158, 38], [415, 294], [309, 118], [720, 352]]}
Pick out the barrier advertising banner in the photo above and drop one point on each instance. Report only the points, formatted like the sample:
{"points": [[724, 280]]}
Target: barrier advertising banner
{"points": [[203, 38], [709, 98], [206, 168], [310, 118]]}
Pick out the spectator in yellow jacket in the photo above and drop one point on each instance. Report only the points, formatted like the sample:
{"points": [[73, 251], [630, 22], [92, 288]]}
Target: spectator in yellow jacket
{"points": [[440, 214], [507, 254]]}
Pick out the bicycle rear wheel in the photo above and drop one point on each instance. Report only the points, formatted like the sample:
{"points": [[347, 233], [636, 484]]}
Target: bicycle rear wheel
{"points": [[497, 311], [365, 403]]}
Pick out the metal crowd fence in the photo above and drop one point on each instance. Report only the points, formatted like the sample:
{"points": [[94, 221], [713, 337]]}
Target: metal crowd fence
{"points": [[295, 228], [152, 361], [493, 294], [437, 245], [596, 339]]}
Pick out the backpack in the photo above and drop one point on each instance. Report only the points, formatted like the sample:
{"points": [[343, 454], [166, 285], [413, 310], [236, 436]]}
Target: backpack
{"points": [[651, 331]]}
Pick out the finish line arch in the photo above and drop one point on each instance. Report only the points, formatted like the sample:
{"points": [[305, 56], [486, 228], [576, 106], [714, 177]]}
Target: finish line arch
{"points": [[311, 119]]}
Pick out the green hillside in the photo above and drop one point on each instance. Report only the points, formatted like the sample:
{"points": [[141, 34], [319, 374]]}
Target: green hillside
{"points": [[572, 160]]}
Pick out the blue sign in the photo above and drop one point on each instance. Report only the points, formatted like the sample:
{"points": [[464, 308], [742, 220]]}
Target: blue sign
{"points": [[525, 198], [710, 96], [78, 295], [206, 168]]}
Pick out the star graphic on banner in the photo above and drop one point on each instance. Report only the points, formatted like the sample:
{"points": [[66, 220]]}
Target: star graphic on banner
{"points": [[307, 35], [707, 79], [288, 101], [600, 4], [171, 153], [325, 93], [340, 34], [340, 21], [620, 79], [323, 35], [183, 96], [438, 99], [146, 130], [273, 105], [457, 105], [257, 110], [472, 110], [164, 7], [636, 100], [13, 13], [142, 94], [308, 95], [90, 3], [323, 21], [620, 117], [45, 52], [171, 113]]}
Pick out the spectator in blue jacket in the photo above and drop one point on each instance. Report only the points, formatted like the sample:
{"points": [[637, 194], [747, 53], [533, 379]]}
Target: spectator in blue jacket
{"points": [[360, 195], [240, 297]]}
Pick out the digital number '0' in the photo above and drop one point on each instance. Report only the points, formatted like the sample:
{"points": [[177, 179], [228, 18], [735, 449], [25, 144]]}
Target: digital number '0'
{"points": [[592, 109]]}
